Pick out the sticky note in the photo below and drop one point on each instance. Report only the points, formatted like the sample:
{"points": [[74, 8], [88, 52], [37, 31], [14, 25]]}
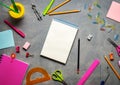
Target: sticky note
{"points": [[6, 39], [114, 11]]}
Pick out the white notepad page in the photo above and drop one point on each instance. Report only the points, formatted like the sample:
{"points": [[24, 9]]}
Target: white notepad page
{"points": [[59, 40]]}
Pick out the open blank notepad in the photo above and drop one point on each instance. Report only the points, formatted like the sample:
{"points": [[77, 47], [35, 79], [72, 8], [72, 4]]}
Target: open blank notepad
{"points": [[12, 73], [59, 40]]}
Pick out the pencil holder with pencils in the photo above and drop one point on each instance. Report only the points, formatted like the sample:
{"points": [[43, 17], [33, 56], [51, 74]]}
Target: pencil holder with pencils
{"points": [[21, 11]]}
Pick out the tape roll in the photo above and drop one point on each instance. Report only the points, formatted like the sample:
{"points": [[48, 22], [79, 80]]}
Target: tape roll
{"points": [[21, 10]]}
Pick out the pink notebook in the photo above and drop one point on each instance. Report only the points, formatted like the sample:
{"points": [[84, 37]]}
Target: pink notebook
{"points": [[114, 11], [12, 73]]}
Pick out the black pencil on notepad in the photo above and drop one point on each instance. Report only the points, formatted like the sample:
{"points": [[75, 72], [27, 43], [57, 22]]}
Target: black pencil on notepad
{"points": [[78, 61]]}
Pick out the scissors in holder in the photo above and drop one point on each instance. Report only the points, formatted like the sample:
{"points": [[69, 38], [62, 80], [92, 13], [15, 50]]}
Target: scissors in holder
{"points": [[57, 76], [115, 45]]}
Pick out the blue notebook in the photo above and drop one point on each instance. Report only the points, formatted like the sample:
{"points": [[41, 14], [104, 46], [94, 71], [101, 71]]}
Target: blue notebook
{"points": [[59, 40]]}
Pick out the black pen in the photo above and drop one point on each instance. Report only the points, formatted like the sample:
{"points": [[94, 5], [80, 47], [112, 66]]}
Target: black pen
{"points": [[78, 61]]}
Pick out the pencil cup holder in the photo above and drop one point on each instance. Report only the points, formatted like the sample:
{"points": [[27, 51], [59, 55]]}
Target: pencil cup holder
{"points": [[21, 12]]}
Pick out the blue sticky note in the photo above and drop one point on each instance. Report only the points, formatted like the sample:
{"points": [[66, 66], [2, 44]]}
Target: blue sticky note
{"points": [[6, 39]]}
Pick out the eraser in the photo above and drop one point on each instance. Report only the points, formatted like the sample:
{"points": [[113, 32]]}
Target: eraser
{"points": [[26, 45]]}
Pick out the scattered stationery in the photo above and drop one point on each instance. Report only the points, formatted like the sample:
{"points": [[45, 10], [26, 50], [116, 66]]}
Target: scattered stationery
{"points": [[12, 73], [15, 29], [88, 72], [48, 7], [59, 40], [6, 39], [114, 11], [112, 67], [45, 76]]}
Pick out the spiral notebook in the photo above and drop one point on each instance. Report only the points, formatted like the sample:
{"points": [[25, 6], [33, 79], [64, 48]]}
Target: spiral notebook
{"points": [[12, 73], [59, 40]]}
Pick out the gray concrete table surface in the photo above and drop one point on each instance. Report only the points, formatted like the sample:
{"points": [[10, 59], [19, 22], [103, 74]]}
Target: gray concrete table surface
{"points": [[36, 32]]}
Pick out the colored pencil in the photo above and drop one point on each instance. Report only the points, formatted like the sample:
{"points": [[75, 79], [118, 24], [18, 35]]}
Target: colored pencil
{"points": [[78, 61], [112, 67], [64, 12], [56, 7], [48, 7]]}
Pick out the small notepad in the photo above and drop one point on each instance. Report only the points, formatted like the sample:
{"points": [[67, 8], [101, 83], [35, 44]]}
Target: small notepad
{"points": [[59, 40], [114, 11], [6, 39], [12, 73]]}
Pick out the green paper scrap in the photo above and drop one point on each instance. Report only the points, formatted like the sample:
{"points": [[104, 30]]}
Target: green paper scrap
{"points": [[7, 6], [14, 6], [48, 7]]}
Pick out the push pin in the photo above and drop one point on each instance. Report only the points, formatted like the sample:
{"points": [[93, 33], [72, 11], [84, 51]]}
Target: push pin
{"points": [[28, 55], [111, 56], [13, 56], [17, 49]]}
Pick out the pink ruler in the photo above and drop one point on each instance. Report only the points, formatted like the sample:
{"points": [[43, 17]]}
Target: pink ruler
{"points": [[88, 72]]}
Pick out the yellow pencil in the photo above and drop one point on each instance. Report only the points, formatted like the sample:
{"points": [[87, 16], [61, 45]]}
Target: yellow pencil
{"points": [[64, 12], [112, 67], [56, 7]]}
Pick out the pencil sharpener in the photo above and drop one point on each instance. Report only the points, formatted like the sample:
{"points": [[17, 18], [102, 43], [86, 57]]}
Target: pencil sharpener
{"points": [[89, 37]]}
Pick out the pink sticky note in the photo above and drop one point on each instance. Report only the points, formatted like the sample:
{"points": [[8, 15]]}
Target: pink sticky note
{"points": [[114, 11]]}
